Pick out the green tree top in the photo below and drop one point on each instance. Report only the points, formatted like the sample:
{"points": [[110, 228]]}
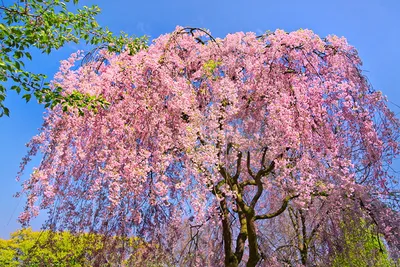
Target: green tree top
{"points": [[48, 25], [360, 246], [26, 247]]}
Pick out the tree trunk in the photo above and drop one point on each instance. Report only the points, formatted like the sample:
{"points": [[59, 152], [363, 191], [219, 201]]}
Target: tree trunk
{"points": [[254, 256], [230, 257]]}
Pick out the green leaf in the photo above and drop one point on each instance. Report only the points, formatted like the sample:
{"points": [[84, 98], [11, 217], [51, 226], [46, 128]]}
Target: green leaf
{"points": [[27, 97], [6, 111], [18, 54], [17, 65], [16, 88], [28, 55]]}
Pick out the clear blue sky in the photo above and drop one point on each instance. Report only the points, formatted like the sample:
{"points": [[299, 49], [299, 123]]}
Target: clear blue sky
{"points": [[372, 26]]}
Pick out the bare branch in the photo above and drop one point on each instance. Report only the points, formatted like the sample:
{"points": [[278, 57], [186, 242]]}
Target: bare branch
{"points": [[264, 172], [279, 211], [263, 157], [258, 193], [238, 167], [257, 179], [248, 182], [248, 165]]}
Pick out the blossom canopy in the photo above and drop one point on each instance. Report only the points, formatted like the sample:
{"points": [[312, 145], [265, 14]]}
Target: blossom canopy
{"points": [[218, 134]]}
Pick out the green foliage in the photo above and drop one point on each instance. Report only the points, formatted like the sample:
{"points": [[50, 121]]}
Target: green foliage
{"points": [[210, 66], [136, 44], [64, 249], [30, 248], [361, 246], [76, 99], [46, 248], [48, 25]]}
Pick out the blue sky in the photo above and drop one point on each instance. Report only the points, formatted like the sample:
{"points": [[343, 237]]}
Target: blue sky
{"points": [[371, 26]]}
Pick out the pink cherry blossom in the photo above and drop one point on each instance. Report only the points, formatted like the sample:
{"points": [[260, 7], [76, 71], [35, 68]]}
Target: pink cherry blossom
{"points": [[204, 140]]}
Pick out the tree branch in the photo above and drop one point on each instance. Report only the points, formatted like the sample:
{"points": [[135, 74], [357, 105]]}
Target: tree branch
{"points": [[264, 172], [248, 182], [248, 165], [279, 211], [238, 167], [257, 179], [263, 158]]}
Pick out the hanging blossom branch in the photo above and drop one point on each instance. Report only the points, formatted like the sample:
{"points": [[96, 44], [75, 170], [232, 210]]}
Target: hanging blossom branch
{"points": [[223, 133]]}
